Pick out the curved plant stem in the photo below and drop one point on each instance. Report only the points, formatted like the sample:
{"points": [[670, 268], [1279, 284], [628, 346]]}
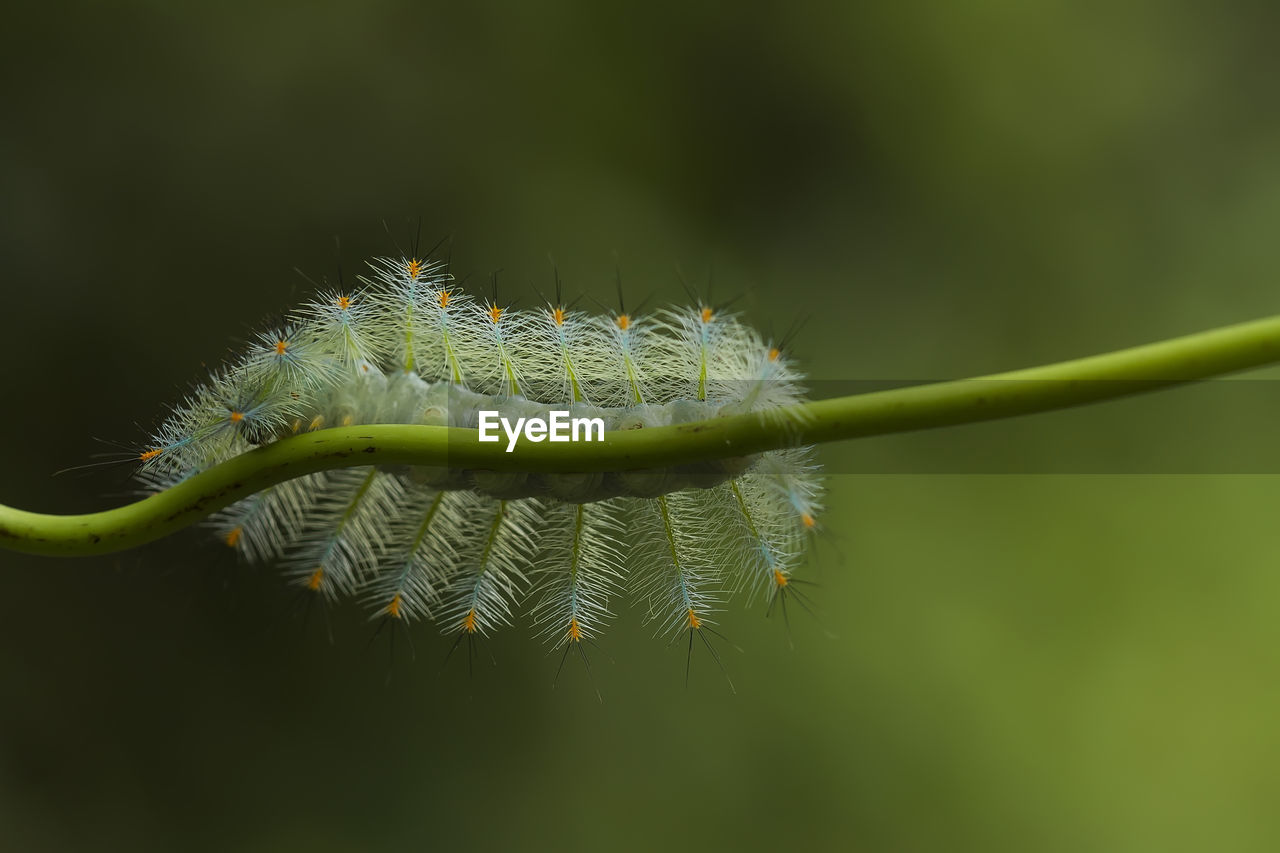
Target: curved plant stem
{"points": [[1037, 389]]}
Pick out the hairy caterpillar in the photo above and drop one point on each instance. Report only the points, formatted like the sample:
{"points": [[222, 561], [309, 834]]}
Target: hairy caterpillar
{"points": [[468, 548]]}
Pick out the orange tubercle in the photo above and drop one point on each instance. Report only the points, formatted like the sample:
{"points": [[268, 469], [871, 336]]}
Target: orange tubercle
{"points": [[237, 417], [707, 314], [149, 454], [281, 346], [444, 299], [415, 268], [344, 302], [774, 352], [807, 520], [317, 578], [779, 579], [557, 315], [624, 322], [233, 536], [575, 632], [694, 620], [393, 609], [469, 622], [495, 313]]}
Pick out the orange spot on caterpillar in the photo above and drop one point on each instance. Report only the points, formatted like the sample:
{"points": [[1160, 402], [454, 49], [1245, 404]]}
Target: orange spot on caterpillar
{"points": [[444, 299], [393, 609], [316, 423], [779, 578], [149, 454], [557, 316], [624, 322], [344, 302], [296, 426], [774, 352], [281, 346], [317, 578], [233, 536], [707, 314], [495, 313], [575, 632], [807, 520], [415, 269], [694, 620], [469, 622], [237, 417], [347, 420]]}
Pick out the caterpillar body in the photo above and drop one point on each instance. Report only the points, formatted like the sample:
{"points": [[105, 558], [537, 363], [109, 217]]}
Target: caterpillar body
{"points": [[469, 549]]}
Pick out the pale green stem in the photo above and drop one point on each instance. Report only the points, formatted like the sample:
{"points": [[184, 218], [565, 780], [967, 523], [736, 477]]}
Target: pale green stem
{"points": [[1020, 392]]}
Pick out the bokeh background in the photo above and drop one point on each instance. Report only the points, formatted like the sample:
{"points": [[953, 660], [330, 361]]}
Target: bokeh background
{"points": [[1054, 633]]}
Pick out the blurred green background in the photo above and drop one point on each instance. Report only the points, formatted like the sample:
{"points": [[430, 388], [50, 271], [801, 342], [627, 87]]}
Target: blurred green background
{"points": [[1043, 634]]}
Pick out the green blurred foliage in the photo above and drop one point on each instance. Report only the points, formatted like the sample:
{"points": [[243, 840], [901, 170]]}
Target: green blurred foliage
{"points": [[1003, 658]]}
